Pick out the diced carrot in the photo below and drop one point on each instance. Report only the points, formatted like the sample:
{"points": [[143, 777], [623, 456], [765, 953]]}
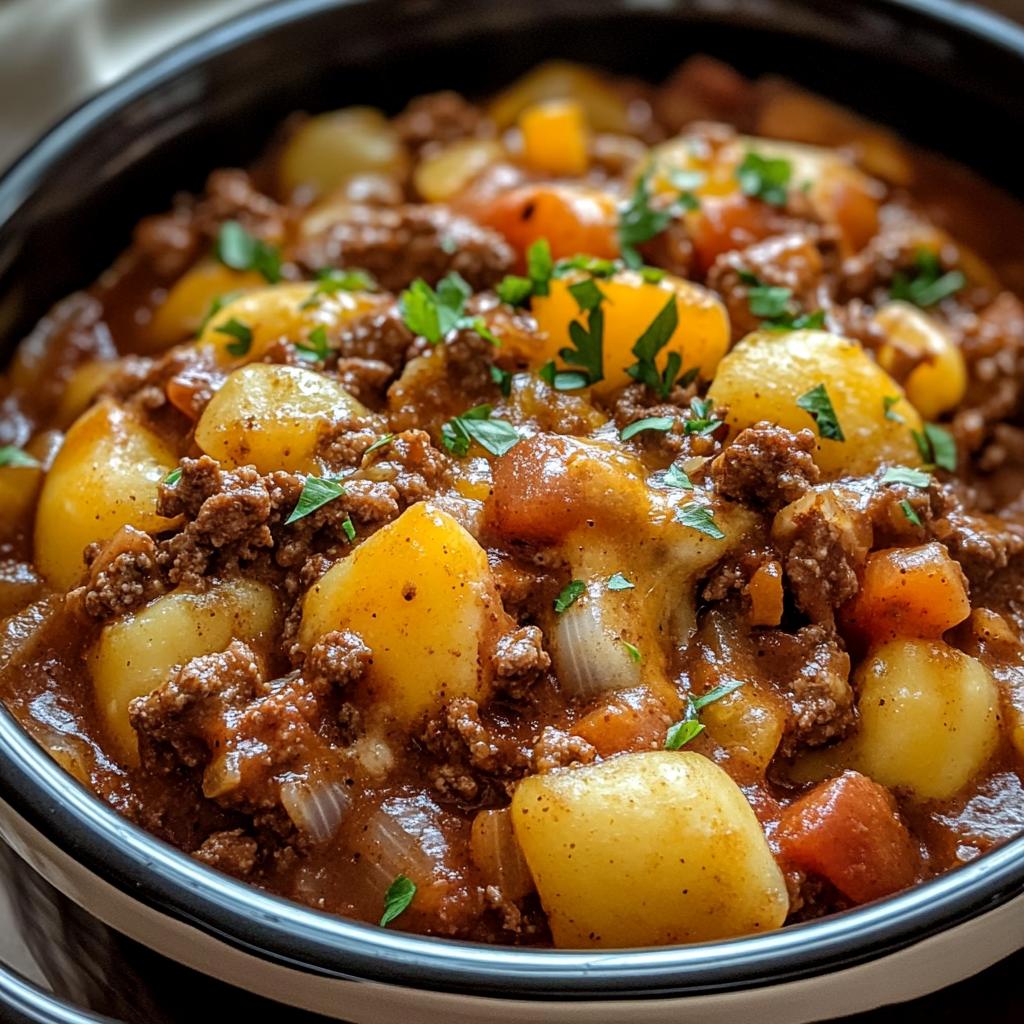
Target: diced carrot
{"points": [[629, 722], [573, 218], [907, 592], [849, 831], [766, 598], [727, 222], [555, 138], [852, 209]]}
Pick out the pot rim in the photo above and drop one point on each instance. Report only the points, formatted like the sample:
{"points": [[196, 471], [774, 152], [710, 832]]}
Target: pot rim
{"points": [[279, 930]]}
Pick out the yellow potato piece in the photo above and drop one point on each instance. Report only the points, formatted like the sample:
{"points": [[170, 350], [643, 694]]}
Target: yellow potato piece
{"points": [[19, 487], [647, 849], [765, 374], [105, 476], [281, 312], [937, 384], [446, 173], [555, 138], [929, 717], [701, 337], [181, 314], [420, 594], [270, 417], [748, 723], [82, 388], [331, 148], [138, 653]]}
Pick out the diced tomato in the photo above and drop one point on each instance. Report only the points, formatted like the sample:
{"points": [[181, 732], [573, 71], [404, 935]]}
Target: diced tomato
{"points": [[849, 831]]}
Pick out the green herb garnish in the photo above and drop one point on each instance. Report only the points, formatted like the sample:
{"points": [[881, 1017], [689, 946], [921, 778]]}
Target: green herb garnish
{"points": [[497, 436], [539, 266], [381, 442], [397, 898], [675, 476], [698, 517], [619, 582], [331, 280], [12, 456], [240, 332], [936, 446], [764, 178], [432, 314], [236, 248], [682, 732], [216, 305], [819, 405], [888, 401], [589, 342], [930, 285], [315, 349], [562, 380], [661, 423], [595, 266], [587, 295], [650, 343], [634, 652], [350, 531], [767, 301], [638, 223], [703, 420], [316, 492], [903, 475], [173, 477], [570, 595], [503, 379], [515, 291], [908, 511]]}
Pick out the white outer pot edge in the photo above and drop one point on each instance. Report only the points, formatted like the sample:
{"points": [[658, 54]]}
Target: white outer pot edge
{"points": [[924, 967]]}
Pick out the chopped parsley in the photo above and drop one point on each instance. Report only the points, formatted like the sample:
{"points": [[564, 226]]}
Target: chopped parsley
{"points": [[432, 314], [497, 436], [930, 285], [767, 301], [773, 305], [240, 332], [587, 295], [515, 291], [764, 178], [652, 275], [936, 446], [682, 732], [503, 379], [819, 405], [703, 420], [173, 477], [638, 223], [675, 476], [381, 442], [237, 249], [570, 595], [539, 266], [316, 492], [619, 582], [593, 265], [331, 280], [397, 898], [908, 511], [350, 530], [903, 475], [650, 343], [887, 404], [216, 305], [562, 380], [14, 457], [315, 349], [589, 351], [661, 423], [634, 652], [698, 517]]}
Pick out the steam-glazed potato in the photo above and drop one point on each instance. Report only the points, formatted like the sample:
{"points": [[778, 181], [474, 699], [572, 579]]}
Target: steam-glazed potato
{"points": [[134, 655], [928, 717], [700, 339], [244, 329], [420, 594], [766, 374], [104, 477], [270, 416], [647, 849]]}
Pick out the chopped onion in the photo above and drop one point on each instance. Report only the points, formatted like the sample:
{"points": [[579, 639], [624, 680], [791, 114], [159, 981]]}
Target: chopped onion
{"points": [[496, 852], [222, 775], [589, 658], [316, 806], [404, 839]]}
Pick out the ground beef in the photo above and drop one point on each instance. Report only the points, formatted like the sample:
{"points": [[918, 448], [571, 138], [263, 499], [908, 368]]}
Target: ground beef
{"points": [[557, 749], [438, 118], [122, 575], [365, 379], [381, 337], [705, 89], [519, 659], [416, 241], [982, 545], [232, 852], [993, 347], [766, 466], [335, 661]]}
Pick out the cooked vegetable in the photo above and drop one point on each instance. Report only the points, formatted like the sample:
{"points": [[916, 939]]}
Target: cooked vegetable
{"points": [[555, 137]]}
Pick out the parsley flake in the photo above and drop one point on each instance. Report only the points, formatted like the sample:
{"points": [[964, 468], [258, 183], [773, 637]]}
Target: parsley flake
{"points": [[432, 314], [515, 291], [819, 405], [587, 295], [595, 266], [216, 305], [350, 530], [397, 898], [173, 477], [682, 732], [539, 266], [237, 249], [650, 343], [676, 476], [903, 475], [619, 582], [652, 275], [908, 511], [888, 401], [503, 379], [634, 652], [638, 223], [589, 342], [316, 492], [562, 380], [315, 349], [936, 446], [497, 436], [703, 421], [573, 591], [331, 280], [930, 285], [240, 332], [698, 517], [764, 178], [15, 457], [661, 423], [767, 302], [381, 442]]}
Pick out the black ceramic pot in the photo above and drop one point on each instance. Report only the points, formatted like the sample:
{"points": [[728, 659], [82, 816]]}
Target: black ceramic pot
{"points": [[947, 76]]}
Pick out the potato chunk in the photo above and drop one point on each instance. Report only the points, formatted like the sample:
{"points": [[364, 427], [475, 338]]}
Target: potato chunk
{"points": [[765, 374], [701, 337], [270, 416], [647, 849], [928, 717], [420, 594], [136, 654], [282, 312], [104, 477]]}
